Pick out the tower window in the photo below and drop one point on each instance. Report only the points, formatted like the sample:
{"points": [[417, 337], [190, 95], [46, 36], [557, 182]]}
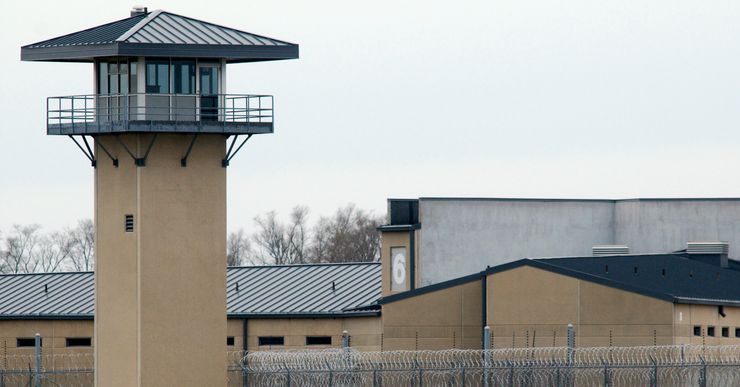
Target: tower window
{"points": [[318, 340], [78, 342], [271, 340], [129, 223], [710, 331], [725, 331], [183, 76], [157, 77], [697, 330], [230, 341]]}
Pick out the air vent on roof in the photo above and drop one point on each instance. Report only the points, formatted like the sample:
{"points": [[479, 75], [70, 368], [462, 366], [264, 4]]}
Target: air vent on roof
{"points": [[709, 247], [714, 252], [138, 10], [604, 250]]}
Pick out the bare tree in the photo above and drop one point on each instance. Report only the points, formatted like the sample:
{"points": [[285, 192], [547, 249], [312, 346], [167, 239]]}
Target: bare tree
{"points": [[82, 253], [20, 248], [239, 250], [349, 236], [52, 251], [280, 243]]}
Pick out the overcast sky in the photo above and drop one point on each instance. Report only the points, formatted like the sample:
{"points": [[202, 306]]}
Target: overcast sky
{"points": [[505, 98]]}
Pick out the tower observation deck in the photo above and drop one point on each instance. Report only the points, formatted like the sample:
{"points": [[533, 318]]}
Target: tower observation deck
{"points": [[159, 130], [159, 72]]}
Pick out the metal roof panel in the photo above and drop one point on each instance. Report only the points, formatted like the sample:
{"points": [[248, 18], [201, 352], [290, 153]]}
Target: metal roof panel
{"points": [[299, 290]]}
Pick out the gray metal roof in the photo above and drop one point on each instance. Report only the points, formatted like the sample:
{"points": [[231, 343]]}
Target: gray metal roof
{"points": [[269, 291], [302, 289], [160, 34], [58, 294]]}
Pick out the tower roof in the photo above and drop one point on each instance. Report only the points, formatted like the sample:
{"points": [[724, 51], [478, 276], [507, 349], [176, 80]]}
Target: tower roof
{"points": [[160, 34]]}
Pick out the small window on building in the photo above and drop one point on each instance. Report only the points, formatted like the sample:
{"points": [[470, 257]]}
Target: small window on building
{"points": [[271, 340], [230, 341], [635, 269], [606, 268], [157, 77], [318, 340], [737, 332], [24, 342], [662, 272], [710, 331], [725, 331], [697, 330], [78, 342]]}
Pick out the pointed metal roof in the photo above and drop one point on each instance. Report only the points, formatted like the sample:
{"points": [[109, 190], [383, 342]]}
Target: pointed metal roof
{"points": [[160, 34]]}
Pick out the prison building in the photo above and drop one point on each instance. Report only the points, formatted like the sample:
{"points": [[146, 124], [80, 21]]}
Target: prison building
{"points": [[274, 307], [453, 237], [619, 300]]}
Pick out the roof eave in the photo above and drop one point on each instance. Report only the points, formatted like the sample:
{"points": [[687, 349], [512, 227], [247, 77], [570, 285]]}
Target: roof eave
{"points": [[46, 317], [303, 315], [87, 53]]}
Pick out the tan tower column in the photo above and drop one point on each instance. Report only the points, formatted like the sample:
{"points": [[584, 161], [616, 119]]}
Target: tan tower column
{"points": [[160, 315]]}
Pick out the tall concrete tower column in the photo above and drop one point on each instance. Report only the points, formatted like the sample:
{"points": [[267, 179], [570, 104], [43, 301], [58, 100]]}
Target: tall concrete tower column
{"points": [[160, 131]]}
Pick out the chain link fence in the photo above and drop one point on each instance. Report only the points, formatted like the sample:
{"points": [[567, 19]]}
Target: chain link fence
{"points": [[68, 369], [682, 365], [699, 366]]}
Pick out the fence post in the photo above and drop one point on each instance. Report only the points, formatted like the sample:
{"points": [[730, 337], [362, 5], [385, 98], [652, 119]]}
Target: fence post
{"points": [[345, 339], [703, 373], [654, 375], [571, 352], [606, 374], [486, 354], [37, 352]]}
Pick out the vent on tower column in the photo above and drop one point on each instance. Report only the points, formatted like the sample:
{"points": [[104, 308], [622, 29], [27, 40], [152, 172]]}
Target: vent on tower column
{"points": [[129, 223]]}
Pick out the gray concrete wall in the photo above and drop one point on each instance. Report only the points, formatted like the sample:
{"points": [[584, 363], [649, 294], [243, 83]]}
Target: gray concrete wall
{"points": [[660, 226], [463, 236], [460, 237]]}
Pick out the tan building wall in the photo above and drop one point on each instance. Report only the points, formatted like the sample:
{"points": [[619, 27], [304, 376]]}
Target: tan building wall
{"points": [[686, 317], [364, 332], [442, 319], [160, 290], [533, 307], [388, 240], [53, 332]]}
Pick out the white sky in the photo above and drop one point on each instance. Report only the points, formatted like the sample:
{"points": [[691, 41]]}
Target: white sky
{"points": [[421, 98]]}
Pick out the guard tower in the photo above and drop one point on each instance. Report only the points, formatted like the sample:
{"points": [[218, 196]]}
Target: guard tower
{"points": [[160, 131]]}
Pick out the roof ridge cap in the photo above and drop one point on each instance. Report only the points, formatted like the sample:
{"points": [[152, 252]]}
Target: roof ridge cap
{"points": [[151, 16]]}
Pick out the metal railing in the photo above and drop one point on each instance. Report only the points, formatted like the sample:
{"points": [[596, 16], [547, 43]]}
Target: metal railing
{"points": [[97, 109]]}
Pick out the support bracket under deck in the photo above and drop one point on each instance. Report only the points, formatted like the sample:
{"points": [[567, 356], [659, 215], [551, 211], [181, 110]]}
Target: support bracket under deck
{"points": [[229, 154]]}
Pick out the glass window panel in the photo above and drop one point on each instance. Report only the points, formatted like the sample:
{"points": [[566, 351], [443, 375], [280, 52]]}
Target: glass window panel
{"points": [[113, 83], [157, 78], [133, 78], [124, 83], [163, 78], [184, 77], [102, 78]]}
